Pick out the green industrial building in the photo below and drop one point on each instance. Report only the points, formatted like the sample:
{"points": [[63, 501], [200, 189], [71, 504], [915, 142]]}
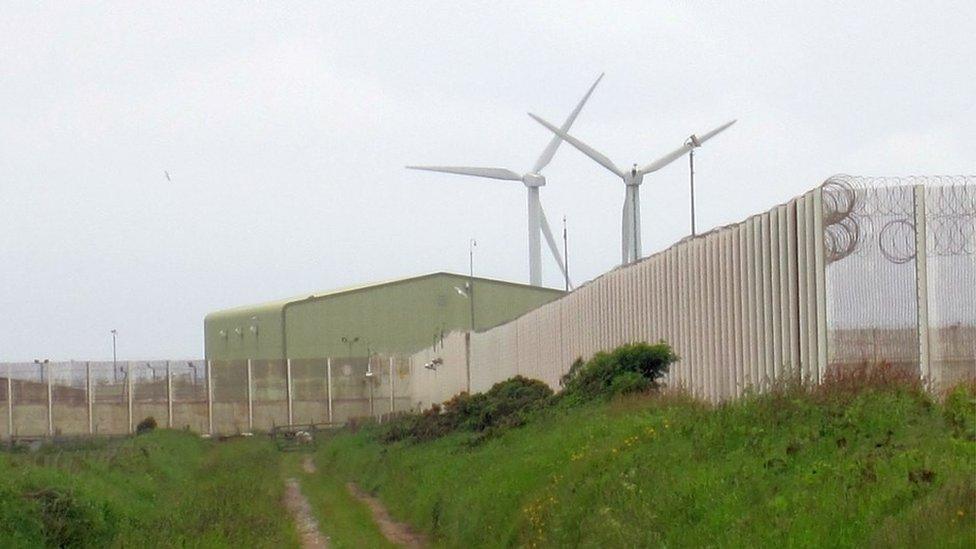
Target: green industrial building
{"points": [[398, 316]]}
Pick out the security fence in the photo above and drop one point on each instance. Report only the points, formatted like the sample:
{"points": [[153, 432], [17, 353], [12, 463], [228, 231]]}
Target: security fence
{"points": [[857, 270], [218, 397]]}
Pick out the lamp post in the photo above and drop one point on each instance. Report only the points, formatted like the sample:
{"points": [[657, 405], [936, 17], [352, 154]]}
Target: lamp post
{"points": [[40, 369], [369, 378], [50, 415], [472, 244], [693, 143], [349, 341], [115, 366], [565, 253]]}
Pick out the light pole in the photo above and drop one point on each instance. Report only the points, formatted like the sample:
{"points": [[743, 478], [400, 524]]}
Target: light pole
{"points": [[369, 377], [693, 143], [565, 253], [472, 244], [50, 411], [40, 369], [115, 366], [349, 341]]}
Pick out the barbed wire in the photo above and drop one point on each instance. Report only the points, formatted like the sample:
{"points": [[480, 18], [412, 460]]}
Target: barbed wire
{"points": [[867, 214]]}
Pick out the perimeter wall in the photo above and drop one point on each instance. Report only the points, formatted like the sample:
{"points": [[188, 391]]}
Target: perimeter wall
{"points": [[857, 270]]}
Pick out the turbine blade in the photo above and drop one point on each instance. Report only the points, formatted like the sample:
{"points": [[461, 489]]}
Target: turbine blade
{"points": [[583, 147], [678, 153], [491, 173], [553, 247], [550, 150], [666, 159], [706, 136]]}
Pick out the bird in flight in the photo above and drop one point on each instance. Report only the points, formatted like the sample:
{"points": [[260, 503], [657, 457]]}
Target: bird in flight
{"points": [[167, 176]]}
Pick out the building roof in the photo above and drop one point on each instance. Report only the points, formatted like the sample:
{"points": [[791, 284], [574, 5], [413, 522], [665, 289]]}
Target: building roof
{"points": [[278, 305]]}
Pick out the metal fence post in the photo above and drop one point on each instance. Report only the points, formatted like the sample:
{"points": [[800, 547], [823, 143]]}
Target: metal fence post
{"points": [[169, 396], [328, 384], [128, 387], [392, 394], [89, 398], [820, 264], [922, 287], [250, 399], [288, 387], [50, 401], [210, 428], [10, 404]]}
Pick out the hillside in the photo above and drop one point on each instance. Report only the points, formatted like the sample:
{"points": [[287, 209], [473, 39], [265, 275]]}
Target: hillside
{"points": [[162, 489], [866, 460]]}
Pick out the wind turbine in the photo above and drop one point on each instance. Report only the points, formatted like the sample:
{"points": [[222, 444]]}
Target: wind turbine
{"points": [[532, 180], [630, 225]]}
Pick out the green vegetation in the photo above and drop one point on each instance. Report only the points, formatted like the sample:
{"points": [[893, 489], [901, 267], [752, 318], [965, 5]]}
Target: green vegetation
{"points": [[507, 404], [627, 369], [346, 521], [161, 489], [867, 459]]}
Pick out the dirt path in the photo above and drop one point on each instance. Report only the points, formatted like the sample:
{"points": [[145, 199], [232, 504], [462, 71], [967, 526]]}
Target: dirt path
{"points": [[308, 465], [301, 511], [395, 532]]}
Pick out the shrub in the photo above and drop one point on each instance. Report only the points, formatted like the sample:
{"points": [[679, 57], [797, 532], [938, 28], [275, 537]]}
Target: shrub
{"points": [[69, 520], [960, 410], [504, 405], [146, 425], [626, 369]]}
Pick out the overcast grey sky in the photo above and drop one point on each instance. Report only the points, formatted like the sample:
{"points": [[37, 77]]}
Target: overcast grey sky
{"points": [[285, 130]]}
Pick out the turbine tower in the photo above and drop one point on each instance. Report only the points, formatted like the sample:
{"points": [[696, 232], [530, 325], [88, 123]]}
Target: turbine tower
{"points": [[630, 224], [533, 180]]}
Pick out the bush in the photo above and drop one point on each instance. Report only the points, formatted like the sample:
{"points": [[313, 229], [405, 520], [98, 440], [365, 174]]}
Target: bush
{"points": [[68, 520], [504, 405], [629, 368], [146, 425], [960, 410]]}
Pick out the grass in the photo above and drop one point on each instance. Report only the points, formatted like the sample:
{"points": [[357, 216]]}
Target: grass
{"points": [[858, 462], [161, 489]]}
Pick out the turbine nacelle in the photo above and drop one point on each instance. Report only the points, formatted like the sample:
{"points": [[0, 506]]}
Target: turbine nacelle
{"points": [[634, 177], [534, 180]]}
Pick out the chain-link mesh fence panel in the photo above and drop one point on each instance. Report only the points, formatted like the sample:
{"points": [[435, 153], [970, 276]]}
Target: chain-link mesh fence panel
{"points": [[310, 394], [350, 390], [149, 392], [230, 396], [950, 259], [402, 386], [69, 398], [270, 399], [110, 398], [28, 394], [189, 395], [5, 403], [869, 242]]}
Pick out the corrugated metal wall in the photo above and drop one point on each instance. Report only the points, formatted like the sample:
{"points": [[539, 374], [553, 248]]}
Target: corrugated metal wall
{"points": [[745, 303]]}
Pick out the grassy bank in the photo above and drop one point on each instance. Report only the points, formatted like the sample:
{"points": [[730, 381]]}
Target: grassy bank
{"points": [[162, 489], [855, 463]]}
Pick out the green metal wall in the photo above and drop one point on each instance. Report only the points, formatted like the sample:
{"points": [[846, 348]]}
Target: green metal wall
{"points": [[396, 317]]}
